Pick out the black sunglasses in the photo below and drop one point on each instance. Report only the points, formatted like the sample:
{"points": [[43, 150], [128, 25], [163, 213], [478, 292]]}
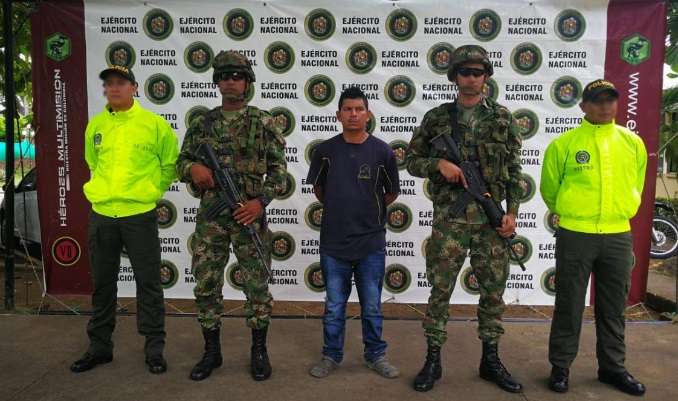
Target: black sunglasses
{"points": [[466, 71], [233, 75]]}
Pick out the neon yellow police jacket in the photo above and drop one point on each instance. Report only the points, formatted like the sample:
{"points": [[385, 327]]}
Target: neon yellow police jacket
{"points": [[131, 156], [593, 177]]}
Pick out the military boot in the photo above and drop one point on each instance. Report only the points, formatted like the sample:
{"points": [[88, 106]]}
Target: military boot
{"points": [[261, 367], [431, 371], [211, 359], [493, 370]]}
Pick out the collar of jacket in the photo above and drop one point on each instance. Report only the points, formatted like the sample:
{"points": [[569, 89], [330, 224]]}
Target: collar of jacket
{"points": [[124, 114], [598, 128]]}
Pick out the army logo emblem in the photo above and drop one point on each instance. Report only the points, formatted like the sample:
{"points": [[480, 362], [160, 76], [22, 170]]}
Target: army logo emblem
{"points": [[526, 58], [290, 186], [527, 122], [485, 25], [565, 91], [58, 46], [401, 24], [66, 251], [439, 56], [528, 186], [397, 278], [193, 113], [158, 24], [249, 93], [238, 24], [235, 276], [120, 53], [310, 149], [428, 189], [570, 25], [284, 119], [282, 245], [314, 215], [635, 49], [198, 56], [491, 89], [361, 57], [399, 149], [548, 281], [167, 213], [399, 90], [319, 24], [313, 277], [551, 221], [523, 250], [159, 88], [97, 139], [279, 57], [371, 124], [190, 244], [582, 157], [398, 217], [424, 244], [319, 90], [469, 281], [169, 274]]}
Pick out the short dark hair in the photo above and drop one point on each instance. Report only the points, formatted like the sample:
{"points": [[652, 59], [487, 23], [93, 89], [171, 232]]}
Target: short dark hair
{"points": [[353, 92]]}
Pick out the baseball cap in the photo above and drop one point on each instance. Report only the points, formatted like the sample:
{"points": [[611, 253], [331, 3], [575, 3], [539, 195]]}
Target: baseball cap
{"points": [[118, 70], [595, 88]]}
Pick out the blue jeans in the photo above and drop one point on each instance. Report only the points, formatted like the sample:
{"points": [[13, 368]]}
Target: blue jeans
{"points": [[369, 276]]}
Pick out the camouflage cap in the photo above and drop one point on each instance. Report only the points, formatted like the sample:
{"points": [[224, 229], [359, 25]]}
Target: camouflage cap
{"points": [[229, 61], [468, 54]]}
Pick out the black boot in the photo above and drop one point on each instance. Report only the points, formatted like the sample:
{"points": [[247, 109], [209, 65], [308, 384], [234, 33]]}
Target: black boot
{"points": [[261, 367], [493, 370], [431, 371], [211, 359]]}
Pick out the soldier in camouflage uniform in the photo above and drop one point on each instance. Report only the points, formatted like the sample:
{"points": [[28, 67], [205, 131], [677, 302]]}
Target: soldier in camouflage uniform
{"points": [[247, 142], [488, 137]]}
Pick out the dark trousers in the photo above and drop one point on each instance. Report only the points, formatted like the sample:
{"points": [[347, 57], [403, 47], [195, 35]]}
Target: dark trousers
{"points": [[610, 258], [139, 235]]}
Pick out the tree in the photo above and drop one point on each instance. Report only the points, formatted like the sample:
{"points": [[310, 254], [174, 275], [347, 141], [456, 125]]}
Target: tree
{"points": [[22, 65]]}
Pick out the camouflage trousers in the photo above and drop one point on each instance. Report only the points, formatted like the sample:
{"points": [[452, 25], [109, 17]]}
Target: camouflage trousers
{"points": [[445, 254], [210, 257]]}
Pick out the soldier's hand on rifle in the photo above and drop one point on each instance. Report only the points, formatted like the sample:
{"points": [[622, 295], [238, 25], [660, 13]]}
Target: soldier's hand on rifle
{"points": [[249, 212], [202, 176], [508, 226], [452, 172]]}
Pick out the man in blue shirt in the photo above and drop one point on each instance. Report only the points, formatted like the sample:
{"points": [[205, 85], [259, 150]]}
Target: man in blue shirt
{"points": [[355, 176]]}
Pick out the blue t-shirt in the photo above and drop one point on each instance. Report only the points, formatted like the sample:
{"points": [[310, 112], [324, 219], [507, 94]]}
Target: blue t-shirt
{"points": [[354, 178]]}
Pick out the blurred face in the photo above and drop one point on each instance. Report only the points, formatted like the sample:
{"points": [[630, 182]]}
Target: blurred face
{"points": [[353, 115], [470, 79], [119, 92], [600, 110], [232, 85]]}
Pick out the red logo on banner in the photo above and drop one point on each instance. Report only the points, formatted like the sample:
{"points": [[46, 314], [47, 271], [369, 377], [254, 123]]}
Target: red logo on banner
{"points": [[66, 251]]}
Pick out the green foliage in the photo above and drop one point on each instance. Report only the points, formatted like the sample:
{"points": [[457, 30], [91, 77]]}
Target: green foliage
{"points": [[23, 83]]}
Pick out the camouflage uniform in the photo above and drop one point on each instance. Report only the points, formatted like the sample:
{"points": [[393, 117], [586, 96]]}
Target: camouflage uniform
{"points": [[248, 143], [489, 137]]}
